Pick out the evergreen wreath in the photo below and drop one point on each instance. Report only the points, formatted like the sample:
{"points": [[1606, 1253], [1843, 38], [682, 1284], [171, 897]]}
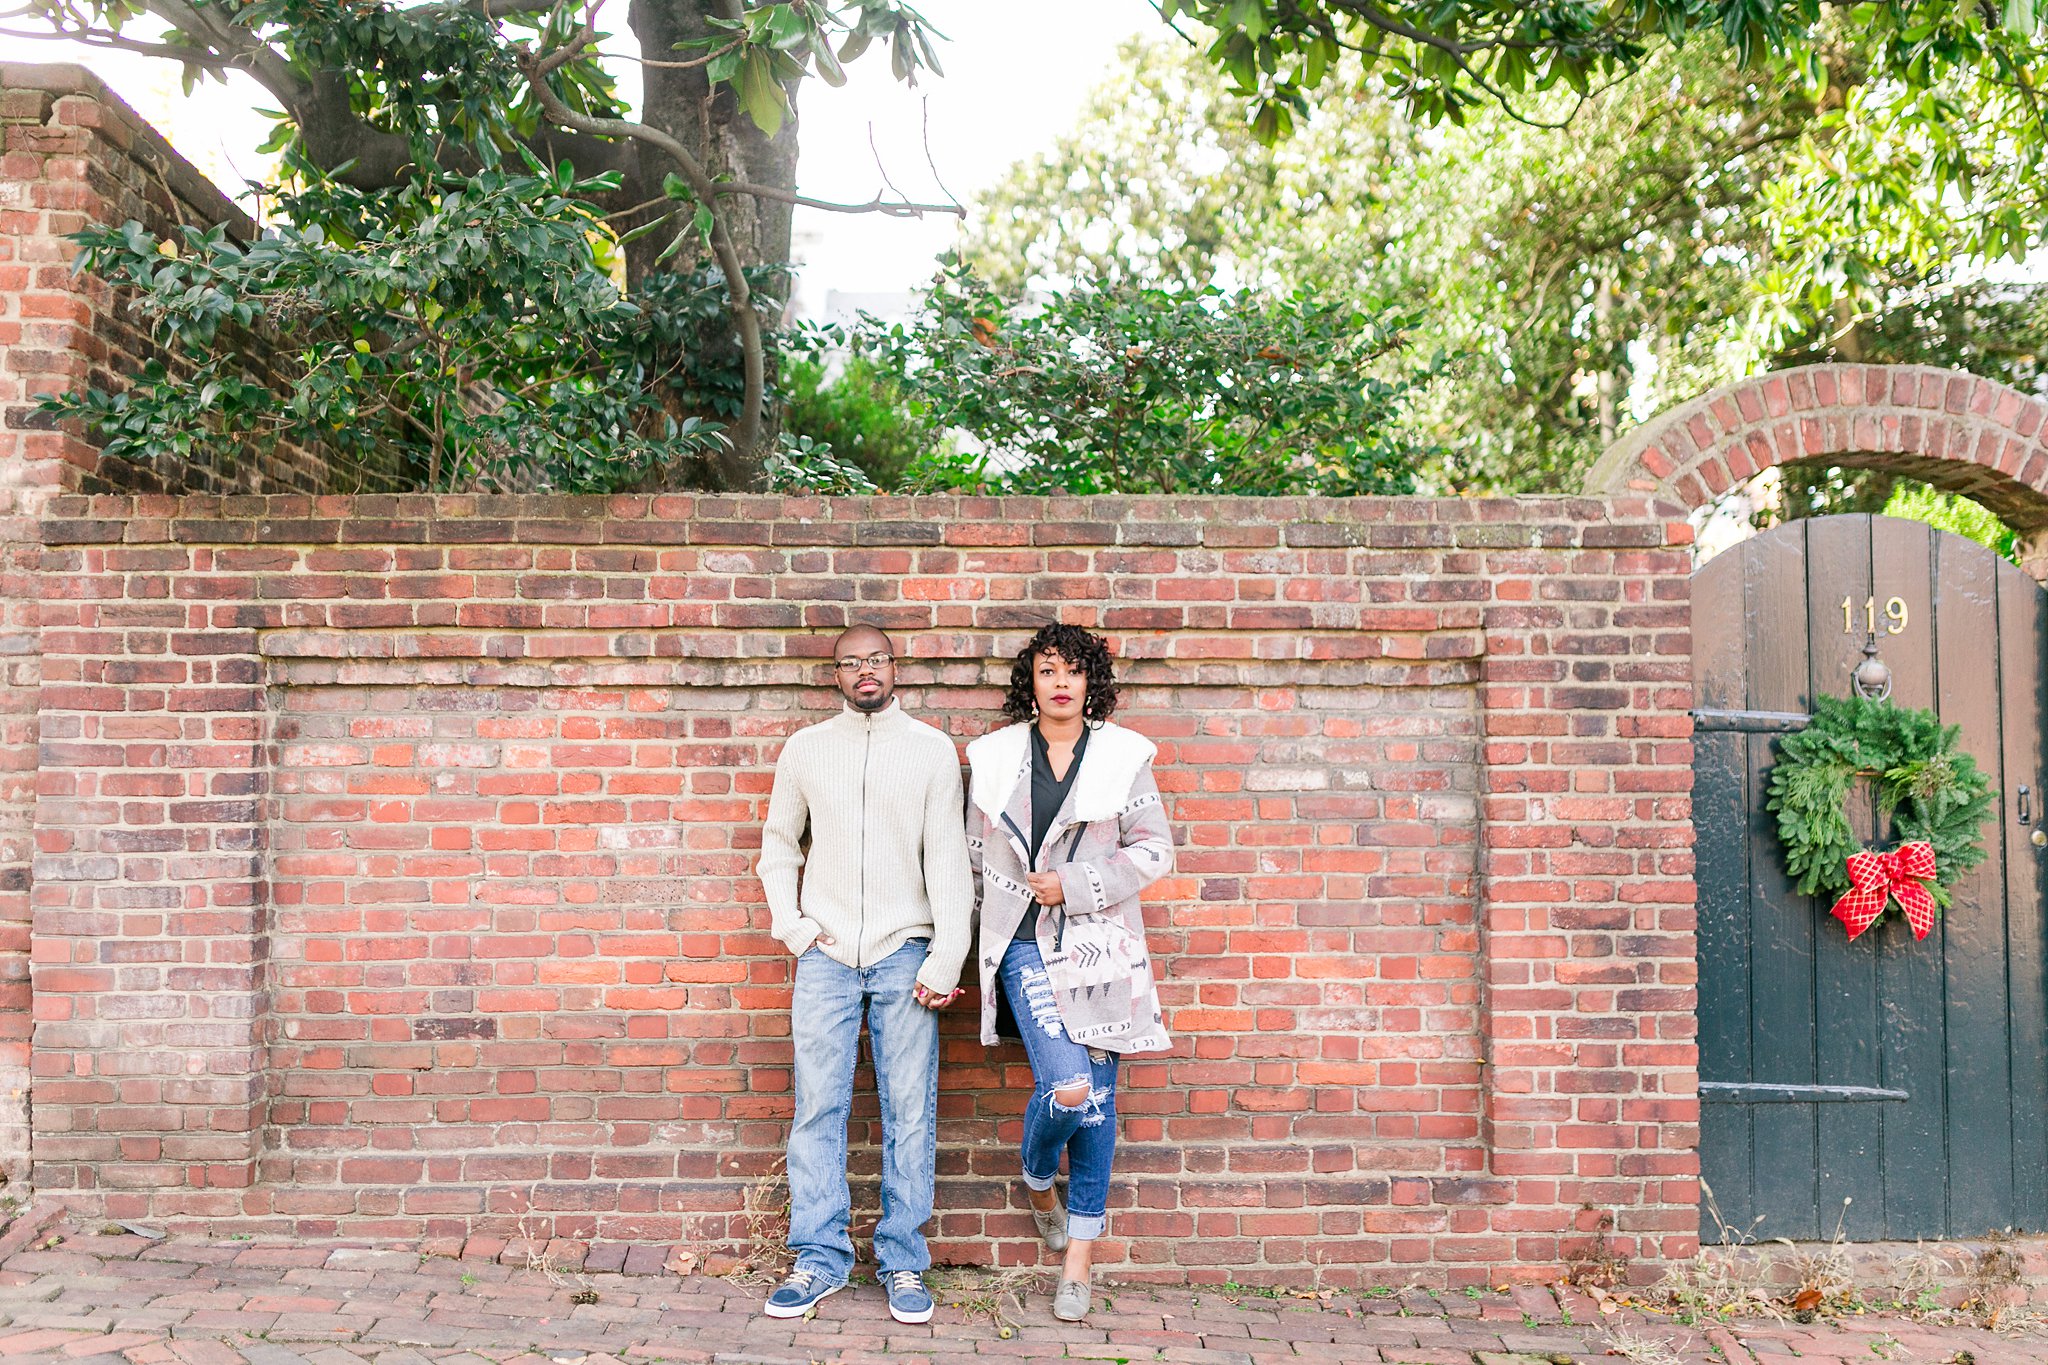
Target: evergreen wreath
{"points": [[1931, 789]]}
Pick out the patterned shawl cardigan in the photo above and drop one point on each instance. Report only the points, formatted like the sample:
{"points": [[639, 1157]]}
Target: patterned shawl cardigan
{"points": [[1125, 845]]}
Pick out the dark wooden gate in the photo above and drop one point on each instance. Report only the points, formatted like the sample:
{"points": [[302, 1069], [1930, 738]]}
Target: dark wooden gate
{"points": [[1909, 1077]]}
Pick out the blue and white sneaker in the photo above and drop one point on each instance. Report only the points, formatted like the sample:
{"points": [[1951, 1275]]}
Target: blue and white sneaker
{"points": [[800, 1293], [908, 1301]]}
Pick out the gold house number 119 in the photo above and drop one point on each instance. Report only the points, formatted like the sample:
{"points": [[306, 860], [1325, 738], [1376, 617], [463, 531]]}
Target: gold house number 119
{"points": [[1894, 615]]}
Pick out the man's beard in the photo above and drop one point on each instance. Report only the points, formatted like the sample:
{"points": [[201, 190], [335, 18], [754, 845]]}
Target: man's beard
{"points": [[870, 705]]}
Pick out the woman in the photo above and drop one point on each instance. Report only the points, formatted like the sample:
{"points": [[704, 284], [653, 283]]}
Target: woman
{"points": [[1064, 829]]}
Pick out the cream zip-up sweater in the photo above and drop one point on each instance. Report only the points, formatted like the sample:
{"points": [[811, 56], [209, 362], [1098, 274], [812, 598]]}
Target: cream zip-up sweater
{"points": [[881, 796]]}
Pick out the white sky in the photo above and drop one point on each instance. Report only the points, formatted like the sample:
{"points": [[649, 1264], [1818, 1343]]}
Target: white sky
{"points": [[1011, 86]]}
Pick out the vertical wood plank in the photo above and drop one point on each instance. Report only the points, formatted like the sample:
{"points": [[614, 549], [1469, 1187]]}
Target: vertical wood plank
{"points": [[1979, 1080], [1784, 1160], [1721, 844], [1910, 973], [1846, 1016], [2023, 688]]}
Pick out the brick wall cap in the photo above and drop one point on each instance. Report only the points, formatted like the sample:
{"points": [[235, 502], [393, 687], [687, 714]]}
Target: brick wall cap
{"points": [[739, 518]]}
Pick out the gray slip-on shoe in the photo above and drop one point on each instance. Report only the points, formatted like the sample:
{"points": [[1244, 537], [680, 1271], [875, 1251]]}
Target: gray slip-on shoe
{"points": [[1072, 1302], [1052, 1224]]}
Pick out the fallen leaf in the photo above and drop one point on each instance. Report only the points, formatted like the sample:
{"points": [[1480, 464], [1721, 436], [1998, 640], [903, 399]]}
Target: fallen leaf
{"points": [[1807, 1300]]}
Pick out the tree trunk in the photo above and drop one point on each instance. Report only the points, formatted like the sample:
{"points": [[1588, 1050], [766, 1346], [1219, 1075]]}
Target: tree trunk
{"points": [[1607, 380], [717, 134], [730, 147]]}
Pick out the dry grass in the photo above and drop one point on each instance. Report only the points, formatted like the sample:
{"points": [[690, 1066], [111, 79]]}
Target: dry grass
{"points": [[1729, 1279], [1639, 1349], [996, 1295], [752, 1248]]}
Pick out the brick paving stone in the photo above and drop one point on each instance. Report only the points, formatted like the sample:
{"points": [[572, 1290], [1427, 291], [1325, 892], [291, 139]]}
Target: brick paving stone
{"points": [[329, 1327], [412, 1332], [1539, 1342], [64, 1317], [48, 1262], [269, 1353], [151, 1319], [645, 1260], [400, 1355], [109, 1343], [332, 1355], [190, 1254], [206, 1353], [362, 1258], [666, 1350], [36, 1339], [282, 1257]]}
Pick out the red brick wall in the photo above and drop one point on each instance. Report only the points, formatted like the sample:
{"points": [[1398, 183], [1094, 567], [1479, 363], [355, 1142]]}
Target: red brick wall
{"points": [[71, 153], [394, 864]]}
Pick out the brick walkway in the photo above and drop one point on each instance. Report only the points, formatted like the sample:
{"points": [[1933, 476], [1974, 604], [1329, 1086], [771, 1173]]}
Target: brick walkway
{"points": [[76, 1297]]}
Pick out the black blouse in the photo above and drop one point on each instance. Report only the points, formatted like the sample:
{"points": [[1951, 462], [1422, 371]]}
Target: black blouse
{"points": [[1048, 794]]}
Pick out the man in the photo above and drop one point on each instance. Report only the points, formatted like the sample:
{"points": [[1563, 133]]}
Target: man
{"points": [[880, 928]]}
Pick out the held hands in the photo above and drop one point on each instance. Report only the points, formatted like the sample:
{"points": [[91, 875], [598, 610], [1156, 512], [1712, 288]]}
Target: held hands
{"points": [[1046, 888], [931, 999]]}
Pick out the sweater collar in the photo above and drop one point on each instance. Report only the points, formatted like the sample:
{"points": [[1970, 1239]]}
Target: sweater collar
{"points": [[873, 723]]}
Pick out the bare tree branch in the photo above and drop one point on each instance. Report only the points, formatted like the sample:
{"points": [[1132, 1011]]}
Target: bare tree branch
{"points": [[888, 208], [197, 56], [931, 161]]}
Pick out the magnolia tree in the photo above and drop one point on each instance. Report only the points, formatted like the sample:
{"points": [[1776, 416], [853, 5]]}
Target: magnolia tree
{"points": [[488, 260]]}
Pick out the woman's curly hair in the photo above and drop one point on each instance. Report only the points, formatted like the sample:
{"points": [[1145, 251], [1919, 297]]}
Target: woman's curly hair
{"points": [[1081, 649]]}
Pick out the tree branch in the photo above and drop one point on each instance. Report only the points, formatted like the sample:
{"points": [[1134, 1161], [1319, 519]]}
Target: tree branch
{"points": [[241, 46], [197, 56], [888, 208]]}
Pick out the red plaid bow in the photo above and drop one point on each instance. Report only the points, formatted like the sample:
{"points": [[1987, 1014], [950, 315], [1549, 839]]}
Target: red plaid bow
{"points": [[1898, 875]]}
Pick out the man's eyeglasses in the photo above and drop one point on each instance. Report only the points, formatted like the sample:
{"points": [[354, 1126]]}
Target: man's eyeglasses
{"points": [[877, 661]]}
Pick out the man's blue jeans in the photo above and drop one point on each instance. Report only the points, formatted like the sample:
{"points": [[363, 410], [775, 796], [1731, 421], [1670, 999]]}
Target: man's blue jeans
{"points": [[825, 1013]]}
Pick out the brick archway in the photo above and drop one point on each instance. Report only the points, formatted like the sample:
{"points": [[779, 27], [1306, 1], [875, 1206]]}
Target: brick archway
{"points": [[1956, 431]]}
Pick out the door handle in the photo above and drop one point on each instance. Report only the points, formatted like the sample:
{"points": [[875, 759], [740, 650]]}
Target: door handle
{"points": [[2026, 795]]}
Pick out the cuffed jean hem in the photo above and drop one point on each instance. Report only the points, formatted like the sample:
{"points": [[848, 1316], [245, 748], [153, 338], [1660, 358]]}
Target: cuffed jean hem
{"points": [[824, 1268], [1086, 1227], [1038, 1182]]}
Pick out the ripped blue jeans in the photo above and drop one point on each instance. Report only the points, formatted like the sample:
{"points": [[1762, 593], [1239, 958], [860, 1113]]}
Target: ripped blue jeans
{"points": [[1086, 1132]]}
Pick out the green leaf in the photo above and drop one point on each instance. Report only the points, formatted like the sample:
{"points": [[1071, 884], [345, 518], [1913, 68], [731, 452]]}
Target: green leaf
{"points": [[829, 69], [760, 95]]}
